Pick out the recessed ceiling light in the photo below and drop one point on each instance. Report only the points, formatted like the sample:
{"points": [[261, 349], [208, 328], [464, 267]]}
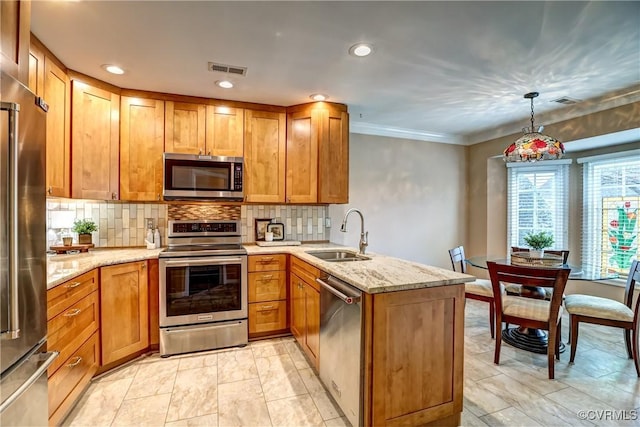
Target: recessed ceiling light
{"points": [[361, 49], [318, 97], [225, 84], [113, 69]]}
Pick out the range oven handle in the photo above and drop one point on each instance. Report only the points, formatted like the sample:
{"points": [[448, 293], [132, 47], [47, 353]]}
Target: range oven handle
{"points": [[190, 262]]}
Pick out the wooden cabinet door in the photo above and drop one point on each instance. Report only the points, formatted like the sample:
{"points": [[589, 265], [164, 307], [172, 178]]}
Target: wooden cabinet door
{"points": [[57, 93], [297, 311], [15, 27], [95, 137], [36, 67], [302, 157], [333, 174], [184, 128], [154, 303], [312, 318], [264, 156], [124, 318], [225, 131], [141, 148]]}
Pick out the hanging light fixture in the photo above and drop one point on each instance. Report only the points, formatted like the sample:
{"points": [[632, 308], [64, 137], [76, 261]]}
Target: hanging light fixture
{"points": [[533, 145]]}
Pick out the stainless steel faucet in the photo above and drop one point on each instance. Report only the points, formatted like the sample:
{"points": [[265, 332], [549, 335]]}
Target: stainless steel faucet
{"points": [[363, 235]]}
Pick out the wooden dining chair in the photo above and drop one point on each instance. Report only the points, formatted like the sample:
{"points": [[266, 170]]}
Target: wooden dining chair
{"points": [[515, 289], [528, 312], [608, 312], [479, 290]]}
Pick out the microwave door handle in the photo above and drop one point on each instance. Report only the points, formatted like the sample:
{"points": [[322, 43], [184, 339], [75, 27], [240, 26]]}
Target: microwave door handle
{"points": [[208, 261], [13, 330]]}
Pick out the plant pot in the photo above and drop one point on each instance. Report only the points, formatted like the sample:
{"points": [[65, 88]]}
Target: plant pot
{"points": [[536, 254], [84, 239]]}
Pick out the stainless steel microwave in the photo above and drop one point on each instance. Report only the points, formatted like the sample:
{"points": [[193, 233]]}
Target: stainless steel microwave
{"points": [[192, 176]]}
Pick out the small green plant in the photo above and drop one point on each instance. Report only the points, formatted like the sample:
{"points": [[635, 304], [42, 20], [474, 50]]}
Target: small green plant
{"points": [[539, 241], [84, 226]]}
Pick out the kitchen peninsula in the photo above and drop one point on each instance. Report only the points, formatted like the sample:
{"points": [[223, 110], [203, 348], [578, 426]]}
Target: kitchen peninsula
{"points": [[413, 325]]}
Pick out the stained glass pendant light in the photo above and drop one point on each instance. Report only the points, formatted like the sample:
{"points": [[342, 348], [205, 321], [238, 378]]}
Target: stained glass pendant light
{"points": [[533, 145]]}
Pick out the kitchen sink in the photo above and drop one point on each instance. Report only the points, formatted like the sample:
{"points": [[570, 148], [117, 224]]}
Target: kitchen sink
{"points": [[338, 256]]}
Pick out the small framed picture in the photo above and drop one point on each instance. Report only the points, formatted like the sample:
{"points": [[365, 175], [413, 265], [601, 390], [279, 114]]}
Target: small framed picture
{"points": [[277, 229], [261, 228]]}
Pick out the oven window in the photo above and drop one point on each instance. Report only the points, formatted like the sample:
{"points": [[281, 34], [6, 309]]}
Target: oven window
{"points": [[203, 289], [210, 178]]}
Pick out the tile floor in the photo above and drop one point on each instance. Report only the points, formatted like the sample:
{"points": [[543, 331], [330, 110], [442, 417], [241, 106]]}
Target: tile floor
{"points": [[270, 383]]}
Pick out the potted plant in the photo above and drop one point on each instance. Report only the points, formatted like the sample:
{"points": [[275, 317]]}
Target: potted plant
{"points": [[538, 242], [84, 228]]}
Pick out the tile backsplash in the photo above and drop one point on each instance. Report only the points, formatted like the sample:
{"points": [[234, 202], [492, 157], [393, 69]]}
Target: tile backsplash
{"points": [[123, 224]]}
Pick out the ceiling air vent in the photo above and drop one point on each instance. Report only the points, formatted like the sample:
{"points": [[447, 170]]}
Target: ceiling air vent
{"points": [[566, 100], [230, 69]]}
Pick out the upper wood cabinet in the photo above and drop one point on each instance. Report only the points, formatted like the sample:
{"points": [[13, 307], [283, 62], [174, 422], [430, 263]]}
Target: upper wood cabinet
{"points": [[36, 66], [95, 139], [124, 314], [141, 148], [15, 24], [225, 131], [57, 93], [264, 156], [317, 153], [184, 128], [302, 156]]}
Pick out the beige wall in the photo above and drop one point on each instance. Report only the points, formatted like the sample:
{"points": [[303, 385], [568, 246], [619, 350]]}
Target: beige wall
{"points": [[412, 195], [486, 221]]}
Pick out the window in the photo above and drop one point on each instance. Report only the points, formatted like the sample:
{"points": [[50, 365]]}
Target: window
{"points": [[611, 197], [537, 201]]}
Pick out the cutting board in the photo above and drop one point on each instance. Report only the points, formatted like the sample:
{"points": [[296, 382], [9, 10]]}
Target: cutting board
{"points": [[64, 249], [279, 243]]}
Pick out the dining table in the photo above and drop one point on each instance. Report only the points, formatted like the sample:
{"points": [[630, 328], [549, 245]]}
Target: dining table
{"points": [[531, 339]]}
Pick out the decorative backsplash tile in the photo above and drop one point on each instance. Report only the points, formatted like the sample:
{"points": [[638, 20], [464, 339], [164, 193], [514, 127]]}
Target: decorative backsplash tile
{"points": [[123, 224]]}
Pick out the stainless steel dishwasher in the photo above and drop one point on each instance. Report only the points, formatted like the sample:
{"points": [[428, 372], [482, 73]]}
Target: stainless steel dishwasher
{"points": [[341, 364]]}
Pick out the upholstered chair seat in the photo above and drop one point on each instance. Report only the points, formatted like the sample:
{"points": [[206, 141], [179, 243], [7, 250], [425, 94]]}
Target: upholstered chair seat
{"points": [[534, 309], [603, 308]]}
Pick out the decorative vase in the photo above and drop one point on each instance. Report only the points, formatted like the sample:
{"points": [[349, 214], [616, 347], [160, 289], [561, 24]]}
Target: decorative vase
{"points": [[84, 239], [536, 254]]}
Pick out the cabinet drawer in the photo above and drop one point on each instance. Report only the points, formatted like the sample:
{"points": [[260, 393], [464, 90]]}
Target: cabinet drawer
{"points": [[267, 262], [68, 293], [69, 329], [267, 316], [69, 381], [267, 286]]}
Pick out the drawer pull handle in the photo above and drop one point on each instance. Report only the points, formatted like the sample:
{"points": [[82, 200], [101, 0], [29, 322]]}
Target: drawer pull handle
{"points": [[73, 285], [267, 259], [72, 313], [267, 277], [76, 363], [266, 307]]}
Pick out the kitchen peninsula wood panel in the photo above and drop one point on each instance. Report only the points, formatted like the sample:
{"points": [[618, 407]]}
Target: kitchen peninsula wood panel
{"points": [[141, 148], [264, 156], [95, 137], [57, 93], [185, 128], [124, 305], [415, 374], [225, 131]]}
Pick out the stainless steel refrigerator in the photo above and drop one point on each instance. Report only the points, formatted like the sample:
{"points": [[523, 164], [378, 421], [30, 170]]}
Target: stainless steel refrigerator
{"points": [[23, 278]]}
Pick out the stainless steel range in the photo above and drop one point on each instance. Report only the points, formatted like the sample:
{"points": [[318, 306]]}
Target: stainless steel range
{"points": [[203, 287]]}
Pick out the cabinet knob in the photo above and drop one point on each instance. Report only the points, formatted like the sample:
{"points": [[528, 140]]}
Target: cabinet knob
{"points": [[114, 196], [144, 265], [208, 153], [158, 196], [50, 190]]}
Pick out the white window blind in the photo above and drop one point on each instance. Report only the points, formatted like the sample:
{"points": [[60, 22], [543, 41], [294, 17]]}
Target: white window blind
{"points": [[611, 197], [538, 200]]}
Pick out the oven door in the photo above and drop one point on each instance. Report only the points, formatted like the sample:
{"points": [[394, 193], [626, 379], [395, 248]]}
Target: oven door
{"points": [[202, 289]]}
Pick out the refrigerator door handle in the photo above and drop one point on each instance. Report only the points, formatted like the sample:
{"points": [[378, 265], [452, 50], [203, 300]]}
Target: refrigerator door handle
{"points": [[13, 331], [42, 369]]}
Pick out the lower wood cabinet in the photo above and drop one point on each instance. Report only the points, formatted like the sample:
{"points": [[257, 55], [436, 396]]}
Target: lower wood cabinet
{"points": [[124, 310], [305, 308], [73, 323], [267, 295]]}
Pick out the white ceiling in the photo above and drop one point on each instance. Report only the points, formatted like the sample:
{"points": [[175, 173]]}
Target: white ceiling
{"points": [[441, 71]]}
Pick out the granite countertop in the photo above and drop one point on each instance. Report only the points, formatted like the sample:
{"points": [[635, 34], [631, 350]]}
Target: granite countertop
{"points": [[379, 274]]}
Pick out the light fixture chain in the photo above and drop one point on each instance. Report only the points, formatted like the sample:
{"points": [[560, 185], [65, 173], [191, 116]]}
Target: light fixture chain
{"points": [[532, 128]]}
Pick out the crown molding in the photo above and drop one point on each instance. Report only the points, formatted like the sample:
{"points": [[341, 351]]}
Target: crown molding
{"points": [[394, 132]]}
